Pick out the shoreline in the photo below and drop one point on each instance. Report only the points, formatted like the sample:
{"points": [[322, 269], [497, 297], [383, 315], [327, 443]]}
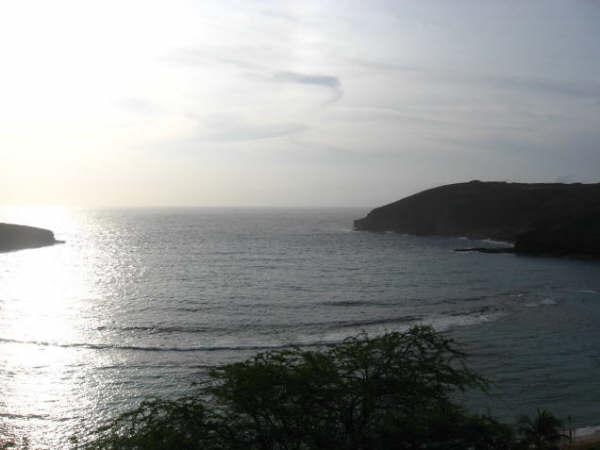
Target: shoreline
{"points": [[586, 441]]}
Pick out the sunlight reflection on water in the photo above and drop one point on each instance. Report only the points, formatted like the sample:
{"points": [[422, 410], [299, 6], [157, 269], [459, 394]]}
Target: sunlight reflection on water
{"points": [[140, 302], [46, 299]]}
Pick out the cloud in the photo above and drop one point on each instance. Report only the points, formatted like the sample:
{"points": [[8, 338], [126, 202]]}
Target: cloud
{"points": [[327, 81], [231, 133], [239, 58], [251, 132], [192, 57], [579, 89], [244, 59], [383, 65], [301, 78], [381, 114], [570, 88], [272, 14], [140, 106]]}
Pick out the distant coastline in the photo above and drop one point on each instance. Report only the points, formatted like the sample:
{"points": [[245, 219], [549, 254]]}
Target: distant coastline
{"points": [[539, 219], [19, 237]]}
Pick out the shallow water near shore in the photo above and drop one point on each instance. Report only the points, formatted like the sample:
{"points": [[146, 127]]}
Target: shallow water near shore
{"points": [[140, 302]]}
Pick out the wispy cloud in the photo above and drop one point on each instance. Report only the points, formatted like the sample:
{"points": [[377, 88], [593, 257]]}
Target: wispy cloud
{"points": [[140, 106], [238, 59], [326, 81], [571, 88], [201, 56], [279, 15], [251, 132], [302, 78], [381, 65], [242, 60]]}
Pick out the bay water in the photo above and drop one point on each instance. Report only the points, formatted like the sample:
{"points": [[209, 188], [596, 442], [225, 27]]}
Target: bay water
{"points": [[139, 303]]}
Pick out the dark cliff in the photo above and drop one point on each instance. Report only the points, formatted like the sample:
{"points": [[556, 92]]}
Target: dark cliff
{"points": [[538, 218], [17, 237], [578, 237]]}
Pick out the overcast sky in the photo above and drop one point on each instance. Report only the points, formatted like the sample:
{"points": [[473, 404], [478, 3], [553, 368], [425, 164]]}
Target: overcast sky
{"points": [[283, 103]]}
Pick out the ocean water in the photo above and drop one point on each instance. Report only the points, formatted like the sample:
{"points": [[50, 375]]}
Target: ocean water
{"points": [[140, 302]]}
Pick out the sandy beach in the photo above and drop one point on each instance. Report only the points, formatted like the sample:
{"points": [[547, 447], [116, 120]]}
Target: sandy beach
{"points": [[585, 442]]}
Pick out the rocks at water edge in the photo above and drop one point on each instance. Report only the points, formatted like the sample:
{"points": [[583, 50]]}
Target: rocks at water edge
{"points": [[579, 237]]}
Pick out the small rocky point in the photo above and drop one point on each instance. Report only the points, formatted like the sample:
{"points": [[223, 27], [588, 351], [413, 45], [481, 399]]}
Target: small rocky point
{"points": [[17, 237]]}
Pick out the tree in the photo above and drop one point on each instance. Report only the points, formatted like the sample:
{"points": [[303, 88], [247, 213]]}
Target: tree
{"points": [[359, 394], [158, 425], [543, 432], [395, 391]]}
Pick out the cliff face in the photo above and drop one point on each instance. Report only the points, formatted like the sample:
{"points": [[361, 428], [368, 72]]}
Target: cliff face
{"points": [[17, 237], [539, 218], [579, 237]]}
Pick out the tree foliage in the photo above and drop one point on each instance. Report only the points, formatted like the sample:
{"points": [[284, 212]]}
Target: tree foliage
{"points": [[543, 432], [396, 391]]}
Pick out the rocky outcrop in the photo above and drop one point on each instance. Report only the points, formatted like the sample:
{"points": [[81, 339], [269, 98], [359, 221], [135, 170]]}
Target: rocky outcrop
{"points": [[557, 218], [17, 237], [579, 237]]}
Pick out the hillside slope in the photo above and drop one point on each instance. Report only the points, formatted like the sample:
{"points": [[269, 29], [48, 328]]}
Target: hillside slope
{"points": [[539, 218]]}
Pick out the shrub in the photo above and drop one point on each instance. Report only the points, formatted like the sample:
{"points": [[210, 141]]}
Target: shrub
{"points": [[543, 432], [396, 391]]}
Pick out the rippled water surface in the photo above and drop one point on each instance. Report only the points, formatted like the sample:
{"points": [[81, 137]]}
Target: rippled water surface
{"points": [[140, 302]]}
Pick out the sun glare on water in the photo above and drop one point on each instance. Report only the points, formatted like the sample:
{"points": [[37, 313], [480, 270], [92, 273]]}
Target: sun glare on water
{"points": [[44, 296]]}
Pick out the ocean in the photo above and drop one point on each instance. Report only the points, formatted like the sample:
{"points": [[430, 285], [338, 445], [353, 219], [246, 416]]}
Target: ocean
{"points": [[140, 303]]}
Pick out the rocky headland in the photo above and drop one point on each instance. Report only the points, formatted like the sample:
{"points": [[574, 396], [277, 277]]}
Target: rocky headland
{"points": [[541, 218], [18, 237]]}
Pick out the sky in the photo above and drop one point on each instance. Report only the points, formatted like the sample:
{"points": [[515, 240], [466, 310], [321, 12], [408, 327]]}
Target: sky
{"points": [[292, 103]]}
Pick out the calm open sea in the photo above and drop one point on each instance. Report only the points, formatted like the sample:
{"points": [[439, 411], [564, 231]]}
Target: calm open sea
{"points": [[139, 302]]}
